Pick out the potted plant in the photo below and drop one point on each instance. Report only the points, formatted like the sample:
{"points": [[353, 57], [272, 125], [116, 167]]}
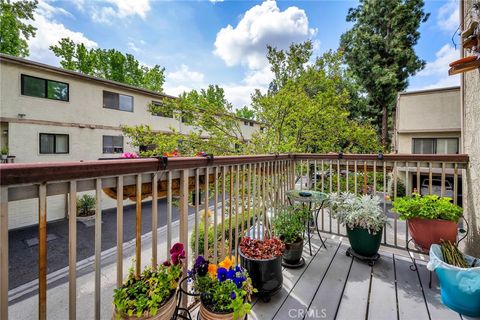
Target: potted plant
{"points": [[289, 226], [263, 260], [363, 219], [86, 207], [225, 289], [4, 153], [429, 218], [150, 295]]}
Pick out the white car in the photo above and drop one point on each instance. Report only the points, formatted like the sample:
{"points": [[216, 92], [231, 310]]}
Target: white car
{"points": [[437, 188]]}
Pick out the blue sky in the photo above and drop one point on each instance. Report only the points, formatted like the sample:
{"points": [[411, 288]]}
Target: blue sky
{"points": [[223, 42]]}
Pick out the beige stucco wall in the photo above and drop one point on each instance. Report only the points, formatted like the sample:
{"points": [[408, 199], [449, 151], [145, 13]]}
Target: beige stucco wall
{"points": [[471, 127], [85, 107], [425, 111]]}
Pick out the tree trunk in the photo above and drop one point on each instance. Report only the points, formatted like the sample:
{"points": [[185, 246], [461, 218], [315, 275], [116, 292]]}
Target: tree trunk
{"points": [[384, 127]]}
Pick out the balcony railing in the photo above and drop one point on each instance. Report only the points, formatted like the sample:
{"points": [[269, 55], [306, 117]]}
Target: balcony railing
{"points": [[248, 189]]}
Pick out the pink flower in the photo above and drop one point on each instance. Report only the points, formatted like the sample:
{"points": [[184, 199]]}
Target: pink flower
{"points": [[129, 155], [167, 263]]}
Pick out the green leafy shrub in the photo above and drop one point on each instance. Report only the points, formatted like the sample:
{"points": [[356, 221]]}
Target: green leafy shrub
{"points": [[427, 207], [357, 211], [86, 205], [289, 224], [221, 241], [142, 295], [4, 151]]}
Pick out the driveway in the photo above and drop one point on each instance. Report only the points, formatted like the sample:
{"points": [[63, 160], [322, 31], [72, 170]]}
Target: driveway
{"points": [[23, 258]]}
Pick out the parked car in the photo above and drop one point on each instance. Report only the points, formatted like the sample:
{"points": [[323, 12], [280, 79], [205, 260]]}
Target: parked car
{"points": [[437, 188]]}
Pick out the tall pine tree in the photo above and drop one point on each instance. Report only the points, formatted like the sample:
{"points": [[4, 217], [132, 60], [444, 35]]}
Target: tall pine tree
{"points": [[379, 50]]}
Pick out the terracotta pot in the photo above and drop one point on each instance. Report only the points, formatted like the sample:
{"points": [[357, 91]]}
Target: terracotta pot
{"points": [[426, 232], [206, 314], [165, 311]]}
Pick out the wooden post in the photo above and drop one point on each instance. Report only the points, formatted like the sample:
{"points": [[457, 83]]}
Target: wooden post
{"points": [[42, 251], [72, 252], [3, 253]]}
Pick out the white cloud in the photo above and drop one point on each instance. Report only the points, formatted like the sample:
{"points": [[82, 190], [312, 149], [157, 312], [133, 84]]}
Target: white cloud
{"points": [[215, 1], [132, 46], [184, 74], [46, 9], [448, 16], [120, 9], [48, 33], [263, 24], [436, 71], [259, 78], [439, 66]]}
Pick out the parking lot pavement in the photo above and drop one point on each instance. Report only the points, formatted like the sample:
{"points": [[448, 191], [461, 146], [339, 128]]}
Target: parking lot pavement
{"points": [[23, 248]]}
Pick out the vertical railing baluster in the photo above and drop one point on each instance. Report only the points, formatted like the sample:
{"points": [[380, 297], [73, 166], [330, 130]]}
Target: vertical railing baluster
{"points": [[308, 177], [215, 218], [264, 200], [119, 231], [301, 175], [4, 252], [183, 222], [430, 176], [374, 177], [338, 189], [205, 216], [42, 251], [418, 178], [237, 212], [222, 218], [323, 176], [331, 188], [98, 245], [138, 226], [442, 186], [249, 191], [197, 211], [365, 177], [346, 174], [230, 212], [315, 174], [72, 251], [455, 183], [154, 219], [169, 211], [243, 199], [259, 194], [385, 201], [254, 200], [355, 177], [407, 179]]}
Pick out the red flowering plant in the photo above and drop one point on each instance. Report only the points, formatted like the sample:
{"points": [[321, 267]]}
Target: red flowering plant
{"points": [[262, 249], [142, 295], [129, 155]]}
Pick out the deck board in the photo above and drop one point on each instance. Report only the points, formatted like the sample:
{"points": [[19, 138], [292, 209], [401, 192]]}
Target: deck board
{"points": [[383, 302], [330, 292], [262, 310], [411, 303], [438, 311], [354, 303], [302, 294]]}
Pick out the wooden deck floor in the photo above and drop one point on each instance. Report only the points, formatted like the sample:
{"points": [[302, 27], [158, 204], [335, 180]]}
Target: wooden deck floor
{"points": [[334, 286]]}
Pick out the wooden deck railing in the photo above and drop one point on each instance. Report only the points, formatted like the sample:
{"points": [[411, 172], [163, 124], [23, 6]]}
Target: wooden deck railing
{"points": [[248, 189]]}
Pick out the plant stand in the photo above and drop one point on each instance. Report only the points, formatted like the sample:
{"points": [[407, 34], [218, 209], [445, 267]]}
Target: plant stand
{"points": [[297, 265], [180, 312], [413, 266], [370, 260]]}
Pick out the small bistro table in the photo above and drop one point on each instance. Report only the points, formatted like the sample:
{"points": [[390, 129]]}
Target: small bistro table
{"points": [[315, 201]]}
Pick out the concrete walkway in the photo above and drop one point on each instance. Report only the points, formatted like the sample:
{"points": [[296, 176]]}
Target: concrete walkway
{"points": [[57, 294]]}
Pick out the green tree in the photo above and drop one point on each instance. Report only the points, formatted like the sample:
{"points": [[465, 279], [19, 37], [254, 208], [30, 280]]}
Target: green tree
{"points": [[15, 29], [379, 50], [110, 64], [306, 106], [215, 128], [245, 113]]}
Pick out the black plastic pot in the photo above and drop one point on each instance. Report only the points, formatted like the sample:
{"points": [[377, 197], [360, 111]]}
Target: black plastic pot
{"points": [[267, 276], [293, 252]]}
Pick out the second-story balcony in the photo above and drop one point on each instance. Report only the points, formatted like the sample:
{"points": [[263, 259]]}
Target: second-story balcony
{"points": [[73, 275]]}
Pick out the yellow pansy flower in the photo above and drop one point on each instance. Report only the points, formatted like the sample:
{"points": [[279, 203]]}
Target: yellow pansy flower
{"points": [[227, 263]]}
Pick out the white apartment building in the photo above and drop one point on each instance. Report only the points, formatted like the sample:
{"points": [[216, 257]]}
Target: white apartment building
{"points": [[428, 122], [51, 114]]}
